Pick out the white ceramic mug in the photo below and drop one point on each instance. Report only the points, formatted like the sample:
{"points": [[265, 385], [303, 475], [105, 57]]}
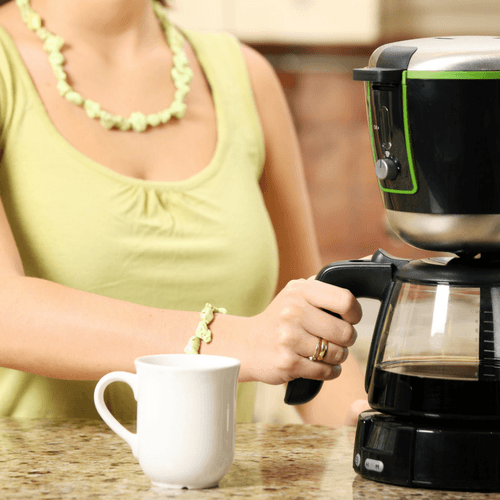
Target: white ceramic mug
{"points": [[186, 417]]}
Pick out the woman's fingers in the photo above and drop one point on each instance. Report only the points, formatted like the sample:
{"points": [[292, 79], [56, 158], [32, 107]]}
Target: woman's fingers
{"points": [[318, 325], [288, 332], [318, 371], [322, 324], [335, 354], [330, 298]]}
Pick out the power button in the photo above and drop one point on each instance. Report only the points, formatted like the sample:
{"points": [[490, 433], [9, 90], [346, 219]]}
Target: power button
{"points": [[374, 465]]}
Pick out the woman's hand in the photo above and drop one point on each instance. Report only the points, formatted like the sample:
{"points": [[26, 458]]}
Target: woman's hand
{"points": [[285, 335]]}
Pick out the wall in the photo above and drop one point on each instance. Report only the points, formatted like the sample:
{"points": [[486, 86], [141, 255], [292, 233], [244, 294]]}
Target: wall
{"points": [[314, 45], [330, 116], [402, 19]]}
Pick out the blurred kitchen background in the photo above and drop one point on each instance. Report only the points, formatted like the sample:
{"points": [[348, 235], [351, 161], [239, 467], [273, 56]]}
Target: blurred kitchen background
{"points": [[313, 46]]}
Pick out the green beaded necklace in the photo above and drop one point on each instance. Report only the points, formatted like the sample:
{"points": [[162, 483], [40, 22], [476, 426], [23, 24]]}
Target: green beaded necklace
{"points": [[181, 73]]}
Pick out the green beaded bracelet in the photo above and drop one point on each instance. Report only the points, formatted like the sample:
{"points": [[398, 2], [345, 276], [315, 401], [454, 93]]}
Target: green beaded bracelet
{"points": [[202, 331]]}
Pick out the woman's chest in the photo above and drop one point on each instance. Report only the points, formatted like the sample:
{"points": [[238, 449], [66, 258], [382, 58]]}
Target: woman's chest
{"points": [[172, 151], [141, 242]]}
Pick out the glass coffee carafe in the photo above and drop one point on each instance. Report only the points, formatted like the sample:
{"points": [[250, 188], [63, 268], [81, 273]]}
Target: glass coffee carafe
{"points": [[436, 355], [434, 352]]}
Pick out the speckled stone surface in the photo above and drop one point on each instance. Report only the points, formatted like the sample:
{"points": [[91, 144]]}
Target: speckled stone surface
{"points": [[54, 460]]}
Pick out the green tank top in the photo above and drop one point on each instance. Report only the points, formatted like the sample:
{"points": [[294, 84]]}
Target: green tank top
{"points": [[173, 245]]}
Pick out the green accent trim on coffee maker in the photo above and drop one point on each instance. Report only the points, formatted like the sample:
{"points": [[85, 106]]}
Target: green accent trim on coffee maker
{"points": [[409, 152], [413, 177], [451, 75], [370, 119]]}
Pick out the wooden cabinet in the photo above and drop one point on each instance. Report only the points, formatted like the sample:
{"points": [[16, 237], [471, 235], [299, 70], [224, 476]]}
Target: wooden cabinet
{"points": [[338, 22], [307, 21], [198, 14], [404, 19], [285, 21]]}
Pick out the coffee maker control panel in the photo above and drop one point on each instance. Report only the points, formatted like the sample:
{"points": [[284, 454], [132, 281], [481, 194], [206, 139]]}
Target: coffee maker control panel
{"points": [[385, 94]]}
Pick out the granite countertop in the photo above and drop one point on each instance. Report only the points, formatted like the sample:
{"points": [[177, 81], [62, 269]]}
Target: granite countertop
{"points": [[84, 459]]}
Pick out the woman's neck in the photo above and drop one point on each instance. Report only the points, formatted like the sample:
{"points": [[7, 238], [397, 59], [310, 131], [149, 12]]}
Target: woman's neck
{"points": [[103, 25]]}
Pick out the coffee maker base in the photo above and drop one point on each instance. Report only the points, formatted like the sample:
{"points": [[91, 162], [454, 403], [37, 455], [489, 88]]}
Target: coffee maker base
{"points": [[447, 455]]}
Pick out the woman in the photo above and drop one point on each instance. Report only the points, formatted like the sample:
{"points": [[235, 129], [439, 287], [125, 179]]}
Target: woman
{"points": [[131, 198]]}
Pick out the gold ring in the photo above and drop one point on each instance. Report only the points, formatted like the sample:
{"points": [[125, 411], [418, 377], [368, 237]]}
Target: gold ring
{"points": [[324, 349], [317, 352]]}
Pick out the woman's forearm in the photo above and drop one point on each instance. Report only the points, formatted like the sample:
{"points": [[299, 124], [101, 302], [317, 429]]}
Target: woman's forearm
{"points": [[51, 330], [56, 331]]}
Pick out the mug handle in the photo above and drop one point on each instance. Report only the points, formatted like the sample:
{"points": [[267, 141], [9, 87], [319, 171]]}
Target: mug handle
{"points": [[102, 409]]}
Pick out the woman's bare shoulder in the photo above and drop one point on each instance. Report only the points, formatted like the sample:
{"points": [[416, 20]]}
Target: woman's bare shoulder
{"points": [[266, 86], [261, 71]]}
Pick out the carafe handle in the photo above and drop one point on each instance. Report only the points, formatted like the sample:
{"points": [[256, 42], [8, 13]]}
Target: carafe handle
{"points": [[364, 278]]}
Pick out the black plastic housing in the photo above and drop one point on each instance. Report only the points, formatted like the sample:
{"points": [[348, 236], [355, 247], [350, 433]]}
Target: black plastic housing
{"points": [[444, 455], [454, 137], [444, 132]]}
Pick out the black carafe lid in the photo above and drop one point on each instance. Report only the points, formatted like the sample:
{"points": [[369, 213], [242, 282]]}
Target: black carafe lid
{"points": [[458, 271]]}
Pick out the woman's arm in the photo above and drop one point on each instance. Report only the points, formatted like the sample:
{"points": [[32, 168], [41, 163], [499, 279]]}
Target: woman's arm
{"points": [[56, 331], [285, 192], [52, 330]]}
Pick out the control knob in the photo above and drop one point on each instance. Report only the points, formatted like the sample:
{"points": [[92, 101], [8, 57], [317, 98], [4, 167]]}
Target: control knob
{"points": [[387, 169]]}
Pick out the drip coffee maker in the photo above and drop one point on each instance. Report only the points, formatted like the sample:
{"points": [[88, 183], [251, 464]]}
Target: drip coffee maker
{"points": [[433, 374]]}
